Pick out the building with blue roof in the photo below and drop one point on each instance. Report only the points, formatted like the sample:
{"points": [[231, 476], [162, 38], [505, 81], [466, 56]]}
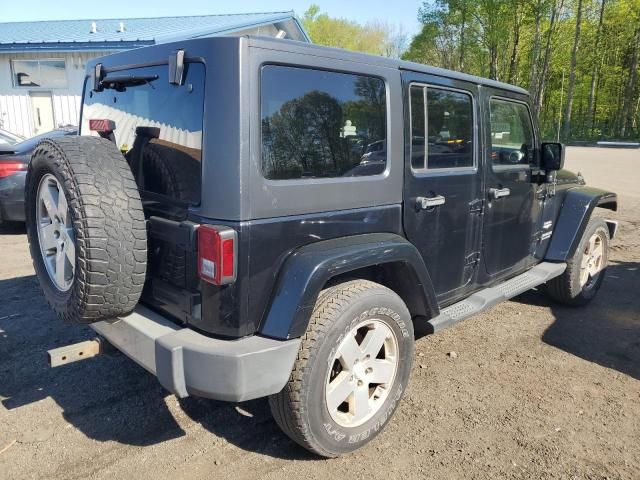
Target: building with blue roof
{"points": [[42, 63]]}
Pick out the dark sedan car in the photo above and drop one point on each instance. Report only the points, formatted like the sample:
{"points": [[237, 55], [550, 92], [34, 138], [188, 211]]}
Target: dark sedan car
{"points": [[14, 160]]}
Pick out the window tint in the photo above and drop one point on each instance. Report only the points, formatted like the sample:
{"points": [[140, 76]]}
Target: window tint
{"points": [[449, 128], [39, 73], [511, 133], [158, 126], [321, 124], [417, 127]]}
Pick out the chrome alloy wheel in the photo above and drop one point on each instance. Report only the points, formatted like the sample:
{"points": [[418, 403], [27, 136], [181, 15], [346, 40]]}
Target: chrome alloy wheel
{"points": [[592, 260], [362, 373], [55, 233]]}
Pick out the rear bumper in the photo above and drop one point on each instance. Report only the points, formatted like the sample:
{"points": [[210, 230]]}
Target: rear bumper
{"points": [[187, 362], [12, 197]]}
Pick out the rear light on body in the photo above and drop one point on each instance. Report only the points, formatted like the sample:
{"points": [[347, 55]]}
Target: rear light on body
{"points": [[217, 254], [102, 125], [10, 167]]}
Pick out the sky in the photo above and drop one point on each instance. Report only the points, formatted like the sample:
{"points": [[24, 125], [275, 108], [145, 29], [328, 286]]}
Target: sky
{"points": [[396, 12]]}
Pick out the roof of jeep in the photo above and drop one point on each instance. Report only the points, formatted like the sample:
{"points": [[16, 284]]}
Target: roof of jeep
{"points": [[338, 53], [309, 49]]}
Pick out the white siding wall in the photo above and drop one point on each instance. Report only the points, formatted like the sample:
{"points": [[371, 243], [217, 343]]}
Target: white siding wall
{"points": [[15, 104]]}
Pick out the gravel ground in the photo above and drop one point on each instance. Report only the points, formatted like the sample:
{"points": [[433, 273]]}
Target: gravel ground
{"points": [[536, 391]]}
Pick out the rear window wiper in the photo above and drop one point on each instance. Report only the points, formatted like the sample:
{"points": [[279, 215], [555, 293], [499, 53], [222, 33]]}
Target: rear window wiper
{"points": [[120, 82]]}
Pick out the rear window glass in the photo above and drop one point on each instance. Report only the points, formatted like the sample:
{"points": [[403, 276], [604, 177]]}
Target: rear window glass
{"points": [[418, 131], [158, 127], [446, 120], [319, 124]]}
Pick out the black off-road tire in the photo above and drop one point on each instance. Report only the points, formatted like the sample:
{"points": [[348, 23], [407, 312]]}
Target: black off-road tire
{"points": [[566, 288], [108, 224], [300, 408]]}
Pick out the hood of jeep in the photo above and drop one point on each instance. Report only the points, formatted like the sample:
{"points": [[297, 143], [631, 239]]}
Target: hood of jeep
{"points": [[565, 177]]}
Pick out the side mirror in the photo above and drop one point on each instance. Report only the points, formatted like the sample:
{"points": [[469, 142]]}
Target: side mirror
{"points": [[552, 156]]}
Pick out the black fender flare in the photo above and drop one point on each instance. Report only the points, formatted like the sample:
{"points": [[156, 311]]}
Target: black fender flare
{"points": [[307, 270], [576, 210]]}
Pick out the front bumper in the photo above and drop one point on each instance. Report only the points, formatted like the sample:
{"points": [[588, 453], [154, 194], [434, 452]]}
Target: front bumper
{"points": [[187, 362]]}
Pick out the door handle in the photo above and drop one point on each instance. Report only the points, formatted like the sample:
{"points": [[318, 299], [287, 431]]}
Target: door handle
{"points": [[428, 202], [496, 193]]}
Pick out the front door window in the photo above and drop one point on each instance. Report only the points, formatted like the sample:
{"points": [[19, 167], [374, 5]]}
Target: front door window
{"points": [[511, 134]]}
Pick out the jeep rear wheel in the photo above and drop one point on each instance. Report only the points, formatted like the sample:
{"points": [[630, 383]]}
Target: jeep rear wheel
{"points": [[585, 271], [86, 228], [352, 369]]}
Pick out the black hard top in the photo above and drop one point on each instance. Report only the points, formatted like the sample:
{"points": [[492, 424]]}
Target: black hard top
{"points": [[140, 55], [340, 54]]}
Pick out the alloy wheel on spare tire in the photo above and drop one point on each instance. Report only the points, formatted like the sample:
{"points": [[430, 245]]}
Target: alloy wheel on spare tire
{"points": [[55, 232], [86, 228], [352, 369]]}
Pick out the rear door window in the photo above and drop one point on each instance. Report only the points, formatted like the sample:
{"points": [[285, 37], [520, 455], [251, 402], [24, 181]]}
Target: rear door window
{"points": [[158, 127], [441, 128], [321, 124]]}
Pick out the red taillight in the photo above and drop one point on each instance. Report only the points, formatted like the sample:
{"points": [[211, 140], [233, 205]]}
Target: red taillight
{"points": [[11, 167], [228, 255], [102, 125], [217, 247]]}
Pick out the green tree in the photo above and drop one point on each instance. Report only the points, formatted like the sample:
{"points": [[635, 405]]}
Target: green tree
{"points": [[594, 45], [595, 70], [572, 72], [377, 38]]}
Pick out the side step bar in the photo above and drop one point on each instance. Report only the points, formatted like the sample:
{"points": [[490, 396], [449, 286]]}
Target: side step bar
{"points": [[488, 297]]}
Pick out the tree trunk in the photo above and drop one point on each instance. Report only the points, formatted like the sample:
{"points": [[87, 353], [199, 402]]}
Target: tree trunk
{"points": [[462, 32], [626, 115], [596, 70], [513, 64], [535, 53], [616, 123], [566, 129], [493, 62], [547, 57], [595, 124]]}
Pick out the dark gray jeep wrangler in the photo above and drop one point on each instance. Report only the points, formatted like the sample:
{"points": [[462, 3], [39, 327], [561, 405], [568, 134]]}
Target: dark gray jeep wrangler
{"points": [[249, 217]]}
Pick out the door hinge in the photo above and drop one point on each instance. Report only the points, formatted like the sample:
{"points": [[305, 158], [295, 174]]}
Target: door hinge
{"points": [[472, 259], [476, 206]]}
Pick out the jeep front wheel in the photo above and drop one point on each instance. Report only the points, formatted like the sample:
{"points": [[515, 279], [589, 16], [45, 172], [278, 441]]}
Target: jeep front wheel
{"points": [[585, 271], [352, 369]]}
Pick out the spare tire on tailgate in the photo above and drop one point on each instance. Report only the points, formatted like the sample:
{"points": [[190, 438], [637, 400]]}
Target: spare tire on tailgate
{"points": [[86, 228]]}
